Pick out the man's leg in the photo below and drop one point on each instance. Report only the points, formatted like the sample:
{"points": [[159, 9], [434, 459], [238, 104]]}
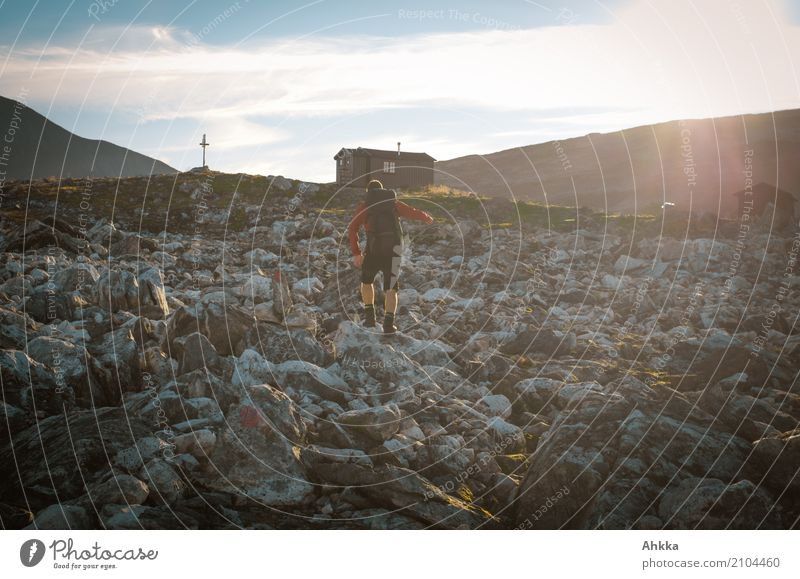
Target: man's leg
{"points": [[390, 301], [390, 307], [390, 287], [368, 296]]}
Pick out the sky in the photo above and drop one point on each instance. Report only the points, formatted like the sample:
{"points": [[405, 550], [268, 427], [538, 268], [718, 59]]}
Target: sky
{"points": [[280, 86]]}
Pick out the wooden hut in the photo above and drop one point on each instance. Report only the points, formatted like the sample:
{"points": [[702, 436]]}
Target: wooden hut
{"points": [[395, 169]]}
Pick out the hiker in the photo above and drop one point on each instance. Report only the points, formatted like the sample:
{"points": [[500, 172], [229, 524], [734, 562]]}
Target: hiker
{"points": [[379, 213]]}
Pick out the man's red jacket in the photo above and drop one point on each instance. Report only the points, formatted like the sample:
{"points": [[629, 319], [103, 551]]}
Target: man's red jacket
{"points": [[360, 219]]}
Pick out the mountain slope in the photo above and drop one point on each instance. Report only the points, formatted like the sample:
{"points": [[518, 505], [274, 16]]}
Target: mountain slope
{"points": [[40, 148], [697, 164]]}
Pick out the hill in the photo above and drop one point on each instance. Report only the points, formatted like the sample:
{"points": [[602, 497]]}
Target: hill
{"points": [[39, 148], [697, 164]]}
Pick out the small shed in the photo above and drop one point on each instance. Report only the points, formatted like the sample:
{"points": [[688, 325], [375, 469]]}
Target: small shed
{"points": [[395, 169], [756, 200]]}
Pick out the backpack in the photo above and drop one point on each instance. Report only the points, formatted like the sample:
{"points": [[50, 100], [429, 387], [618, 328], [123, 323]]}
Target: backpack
{"points": [[384, 234]]}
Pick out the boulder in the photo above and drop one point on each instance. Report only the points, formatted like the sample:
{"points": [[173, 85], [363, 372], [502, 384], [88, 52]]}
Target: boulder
{"points": [[75, 277], [280, 344], [116, 365], [117, 289], [398, 361], [133, 457], [132, 245], [42, 462], [544, 341], [120, 489], [198, 443], [61, 517], [306, 377], [709, 503], [33, 234], [251, 369], [496, 405], [257, 288], [225, 326], [572, 461], [628, 264], [71, 367], [195, 351], [404, 491], [777, 459], [152, 294], [12, 419], [164, 482], [308, 286], [15, 328], [27, 382], [378, 422], [259, 450], [536, 394], [46, 305]]}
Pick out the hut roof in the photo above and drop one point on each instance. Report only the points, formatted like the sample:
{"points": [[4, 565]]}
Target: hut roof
{"points": [[403, 155]]}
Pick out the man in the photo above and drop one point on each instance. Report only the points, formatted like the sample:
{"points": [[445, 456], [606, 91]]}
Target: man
{"points": [[379, 213]]}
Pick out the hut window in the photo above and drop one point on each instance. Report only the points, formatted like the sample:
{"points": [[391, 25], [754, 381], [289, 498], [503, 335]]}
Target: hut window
{"points": [[388, 166]]}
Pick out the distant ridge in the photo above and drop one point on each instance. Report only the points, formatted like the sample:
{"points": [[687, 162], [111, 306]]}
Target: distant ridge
{"points": [[698, 164], [39, 148]]}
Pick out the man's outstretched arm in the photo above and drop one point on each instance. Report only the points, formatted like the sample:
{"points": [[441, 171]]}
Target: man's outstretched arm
{"points": [[355, 225], [409, 212]]}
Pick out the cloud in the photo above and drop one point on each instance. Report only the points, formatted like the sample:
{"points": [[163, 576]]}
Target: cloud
{"points": [[680, 56], [654, 61], [237, 133]]}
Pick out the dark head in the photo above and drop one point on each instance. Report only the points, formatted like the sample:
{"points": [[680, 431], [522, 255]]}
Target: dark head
{"points": [[374, 184]]}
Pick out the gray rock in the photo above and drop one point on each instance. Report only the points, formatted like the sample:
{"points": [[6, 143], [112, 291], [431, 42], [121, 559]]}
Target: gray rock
{"points": [[627, 264], [777, 458], [47, 456], [12, 420], [544, 341], [123, 516], [68, 364], [378, 423], [708, 503], [195, 351], [152, 294], [225, 326], [120, 489], [14, 329], [259, 451], [199, 443], [61, 518], [406, 492], [47, 305], [117, 365], [76, 277], [496, 405], [163, 481], [304, 376], [117, 289], [146, 448]]}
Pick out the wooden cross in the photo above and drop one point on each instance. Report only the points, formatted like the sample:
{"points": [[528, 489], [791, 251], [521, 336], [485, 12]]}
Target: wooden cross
{"points": [[204, 144]]}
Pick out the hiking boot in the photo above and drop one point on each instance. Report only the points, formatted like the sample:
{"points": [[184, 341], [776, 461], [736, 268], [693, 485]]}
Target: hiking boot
{"points": [[388, 324], [369, 316]]}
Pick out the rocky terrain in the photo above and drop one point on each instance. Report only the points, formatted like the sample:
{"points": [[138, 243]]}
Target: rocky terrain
{"points": [[186, 352]]}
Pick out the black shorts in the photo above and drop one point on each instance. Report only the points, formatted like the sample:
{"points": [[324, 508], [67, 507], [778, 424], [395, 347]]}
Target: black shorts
{"points": [[389, 266]]}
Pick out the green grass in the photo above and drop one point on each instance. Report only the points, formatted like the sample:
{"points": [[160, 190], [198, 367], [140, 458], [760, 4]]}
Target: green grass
{"points": [[492, 212], [234, 190]]}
